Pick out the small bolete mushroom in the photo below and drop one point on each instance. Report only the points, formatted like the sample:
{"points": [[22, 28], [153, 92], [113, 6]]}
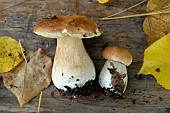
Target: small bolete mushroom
{"points": [[113, 76], [72, 67]]}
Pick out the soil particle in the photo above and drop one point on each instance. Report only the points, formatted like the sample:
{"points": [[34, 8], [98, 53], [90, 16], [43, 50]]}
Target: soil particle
{"points": [[133, 101], [52, 93], [160, 98]]}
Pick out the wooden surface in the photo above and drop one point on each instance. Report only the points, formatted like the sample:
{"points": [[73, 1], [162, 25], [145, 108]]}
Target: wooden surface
{"points": [[143, 94]]}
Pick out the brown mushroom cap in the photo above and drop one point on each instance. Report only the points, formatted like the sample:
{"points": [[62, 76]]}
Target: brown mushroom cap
{"points": [[118, 54], [67, 26]]}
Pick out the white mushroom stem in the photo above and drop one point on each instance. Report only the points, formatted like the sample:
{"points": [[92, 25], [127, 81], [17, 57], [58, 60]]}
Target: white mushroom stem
{"points": [[72, 65], [108, 80]]}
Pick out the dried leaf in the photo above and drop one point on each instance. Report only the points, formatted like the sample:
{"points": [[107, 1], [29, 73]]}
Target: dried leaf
{"points": [[102, 1], [27, 80], [156, 61], [10, 54], [157, 26]]}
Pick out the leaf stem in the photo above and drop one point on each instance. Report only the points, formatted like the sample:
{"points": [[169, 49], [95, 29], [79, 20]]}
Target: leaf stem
{"points": [[137, 15], [126, 9], [39, 103], [22, 51]]}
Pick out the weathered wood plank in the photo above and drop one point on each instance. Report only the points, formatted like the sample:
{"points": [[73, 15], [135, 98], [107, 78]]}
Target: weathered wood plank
{"points": [[143, 94]]}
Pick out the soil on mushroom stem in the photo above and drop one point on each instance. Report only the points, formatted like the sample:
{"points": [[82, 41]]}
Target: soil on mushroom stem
{"points": [[86, 90], [111, 94]]}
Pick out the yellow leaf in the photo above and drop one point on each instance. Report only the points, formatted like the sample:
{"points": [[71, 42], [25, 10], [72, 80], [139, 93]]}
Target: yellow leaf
{"points": [[102, 1], [157, 61], [10, 54]]}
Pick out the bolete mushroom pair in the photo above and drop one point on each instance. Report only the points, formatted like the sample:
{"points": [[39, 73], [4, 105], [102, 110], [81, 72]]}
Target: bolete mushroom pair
{"points": [[73, 70]]}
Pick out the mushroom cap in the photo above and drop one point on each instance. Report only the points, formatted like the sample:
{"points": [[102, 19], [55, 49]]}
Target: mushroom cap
{"points": [[118, 54], [67, 26]]}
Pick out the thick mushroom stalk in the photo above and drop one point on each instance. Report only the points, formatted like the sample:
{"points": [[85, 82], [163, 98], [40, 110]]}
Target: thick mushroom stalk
{"points": [[73, 70], [72, 66], [113, 77]]}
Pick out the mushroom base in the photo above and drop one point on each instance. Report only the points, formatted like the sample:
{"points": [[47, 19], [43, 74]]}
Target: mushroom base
{"points": [[86, 90], [113, 93]]}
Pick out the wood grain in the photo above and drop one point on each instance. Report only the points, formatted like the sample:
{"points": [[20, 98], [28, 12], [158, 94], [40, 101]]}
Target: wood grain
{"points": [[143, 94]]}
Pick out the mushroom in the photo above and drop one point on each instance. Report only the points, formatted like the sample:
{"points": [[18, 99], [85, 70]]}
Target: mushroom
{"points": [[113, 76], [73, 69]]}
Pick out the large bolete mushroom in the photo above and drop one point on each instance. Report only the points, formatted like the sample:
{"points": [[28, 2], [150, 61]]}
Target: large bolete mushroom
{"points": [[113, 76], [72, 67]]}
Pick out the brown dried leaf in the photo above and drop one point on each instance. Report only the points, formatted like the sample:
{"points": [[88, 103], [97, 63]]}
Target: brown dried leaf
{"points": [[27, 80], [157, 26]]}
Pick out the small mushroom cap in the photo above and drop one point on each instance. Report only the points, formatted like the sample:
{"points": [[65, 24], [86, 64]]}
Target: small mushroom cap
{"points": [[67, 26], [118, 54]]}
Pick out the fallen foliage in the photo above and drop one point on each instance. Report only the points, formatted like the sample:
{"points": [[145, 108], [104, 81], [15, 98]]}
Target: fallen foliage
{"points": [[157, 26], [27, 80], [156, 61]]}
